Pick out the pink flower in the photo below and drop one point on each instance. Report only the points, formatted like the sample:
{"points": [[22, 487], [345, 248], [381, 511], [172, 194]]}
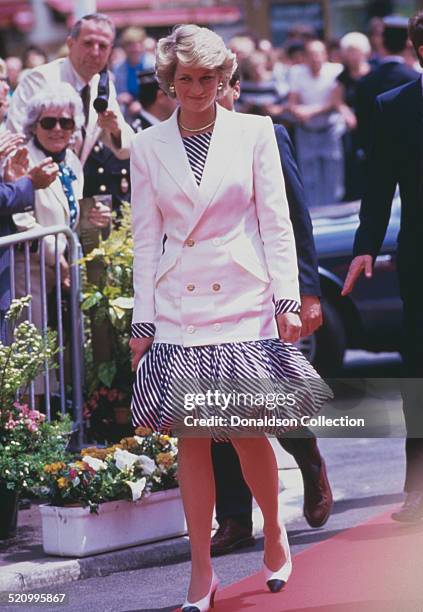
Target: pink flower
{"points": [[73, 473], [32, 427]]}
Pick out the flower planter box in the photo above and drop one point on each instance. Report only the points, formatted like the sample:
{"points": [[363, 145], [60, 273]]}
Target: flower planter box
{"points": [[75, 532]]}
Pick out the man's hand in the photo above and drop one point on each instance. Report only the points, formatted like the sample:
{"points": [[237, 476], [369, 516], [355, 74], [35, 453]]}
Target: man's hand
{"points": [[109, 121], [289, 326], [9, 142], [44, 174], [16, 165], [139, 346], [100, 215], [311, 314], [361, 263]]}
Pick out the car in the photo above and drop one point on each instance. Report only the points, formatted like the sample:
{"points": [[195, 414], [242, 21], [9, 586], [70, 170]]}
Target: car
{"points": [[370, 317]]}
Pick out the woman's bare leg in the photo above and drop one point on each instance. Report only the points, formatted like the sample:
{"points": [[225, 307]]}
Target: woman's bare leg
{"points": [[196, 480], [260, 470]]}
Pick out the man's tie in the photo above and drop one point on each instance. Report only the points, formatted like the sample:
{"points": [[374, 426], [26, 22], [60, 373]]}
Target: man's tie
{"points": [[85, 97]]}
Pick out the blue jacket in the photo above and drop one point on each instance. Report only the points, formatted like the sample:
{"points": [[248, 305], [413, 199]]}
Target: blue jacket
{"points": [[300, 216], [14, 198]]}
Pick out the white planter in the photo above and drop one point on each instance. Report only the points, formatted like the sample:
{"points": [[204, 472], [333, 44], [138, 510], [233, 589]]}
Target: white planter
{"points": [[75, 532]]}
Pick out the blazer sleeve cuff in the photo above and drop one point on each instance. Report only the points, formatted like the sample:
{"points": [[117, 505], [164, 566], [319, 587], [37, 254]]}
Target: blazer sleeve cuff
{"points": [[143, 330], [284, 306]]}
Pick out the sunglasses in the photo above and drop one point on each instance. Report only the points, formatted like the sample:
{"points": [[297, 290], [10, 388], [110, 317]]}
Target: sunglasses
{"points": [[48, 123]]}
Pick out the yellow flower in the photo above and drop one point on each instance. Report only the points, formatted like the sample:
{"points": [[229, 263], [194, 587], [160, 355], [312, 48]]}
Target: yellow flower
{"points": [[89, 451], [80, 465], [164, 440], [53, 468], [165, 460], [129, 443], [62, 483], [97, 453], [143, 431]]}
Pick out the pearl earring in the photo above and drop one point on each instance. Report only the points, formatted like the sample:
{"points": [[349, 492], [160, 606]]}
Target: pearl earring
{"points": [[172, 89], [220, 86]]}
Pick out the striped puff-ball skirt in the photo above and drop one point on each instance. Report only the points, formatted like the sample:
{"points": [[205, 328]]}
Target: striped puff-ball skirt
{"points": [[245, 388]]}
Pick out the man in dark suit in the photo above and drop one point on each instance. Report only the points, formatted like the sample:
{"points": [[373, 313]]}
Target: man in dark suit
{"points": [[18, 196], [233, 497], [396, 157], [157, 106], [391, 72]]}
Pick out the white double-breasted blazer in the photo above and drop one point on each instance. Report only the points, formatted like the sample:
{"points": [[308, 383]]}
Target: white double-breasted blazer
{"points": [[230, 246]]}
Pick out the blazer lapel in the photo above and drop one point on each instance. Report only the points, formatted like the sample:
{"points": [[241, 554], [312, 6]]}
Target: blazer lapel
{"points": [[171, 153], [226, 139]]}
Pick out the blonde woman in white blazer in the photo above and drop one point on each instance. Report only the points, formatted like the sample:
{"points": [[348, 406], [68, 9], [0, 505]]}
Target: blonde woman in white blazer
{"points": [[52, 119], [210, 181]]}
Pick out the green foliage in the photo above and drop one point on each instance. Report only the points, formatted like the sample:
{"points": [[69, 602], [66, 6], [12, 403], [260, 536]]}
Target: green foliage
{"points": [[26, 357], [26, 440], [27, 443], [111, 299]]}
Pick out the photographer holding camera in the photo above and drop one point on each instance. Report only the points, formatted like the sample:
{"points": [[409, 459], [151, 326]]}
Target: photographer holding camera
{"points": [[90, 43]]}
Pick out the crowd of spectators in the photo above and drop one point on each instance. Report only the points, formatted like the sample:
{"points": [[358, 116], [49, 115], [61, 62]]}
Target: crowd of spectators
{"points": [[308, 85]]}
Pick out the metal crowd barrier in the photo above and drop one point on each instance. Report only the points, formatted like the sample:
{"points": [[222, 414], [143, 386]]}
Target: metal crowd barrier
{"points": [[25, 240]]}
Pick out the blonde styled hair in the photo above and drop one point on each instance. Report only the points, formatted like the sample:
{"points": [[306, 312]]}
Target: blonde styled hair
{"points": [[193, 46]]}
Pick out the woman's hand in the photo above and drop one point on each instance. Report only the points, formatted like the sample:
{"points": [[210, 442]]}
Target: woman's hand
{"points": [[289, 326], [100, 215], [9, 142], [139, 346], [16, 166], [43, 175]]}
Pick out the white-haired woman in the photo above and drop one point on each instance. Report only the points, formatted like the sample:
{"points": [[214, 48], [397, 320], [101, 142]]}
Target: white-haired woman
{"points": [[52, 120], [211, 182], [356, 50]]}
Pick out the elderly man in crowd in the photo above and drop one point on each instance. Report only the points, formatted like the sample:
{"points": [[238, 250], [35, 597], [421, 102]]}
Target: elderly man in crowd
{"points": [[90, 43]]}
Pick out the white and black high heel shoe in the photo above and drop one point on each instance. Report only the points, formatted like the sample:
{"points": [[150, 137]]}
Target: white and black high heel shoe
{"points": [[205, 604], [277, 580]]}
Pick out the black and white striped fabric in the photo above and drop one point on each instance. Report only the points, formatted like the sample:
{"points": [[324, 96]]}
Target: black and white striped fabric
{"points": [[168, 372], [197, 147]]}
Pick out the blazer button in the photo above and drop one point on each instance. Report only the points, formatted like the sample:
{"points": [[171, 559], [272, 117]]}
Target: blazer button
{"points": [[190, 242], [216, 287], [190, 329], [190, 287], [217, 326], [103, 188], [216, 241], [101, 170]]}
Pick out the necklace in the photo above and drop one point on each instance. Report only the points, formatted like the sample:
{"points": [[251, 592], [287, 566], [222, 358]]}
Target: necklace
{"points": [[200, 129]]}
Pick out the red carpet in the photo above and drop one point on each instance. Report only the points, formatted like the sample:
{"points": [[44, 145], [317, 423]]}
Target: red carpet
{"points": [[374, 567]]}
